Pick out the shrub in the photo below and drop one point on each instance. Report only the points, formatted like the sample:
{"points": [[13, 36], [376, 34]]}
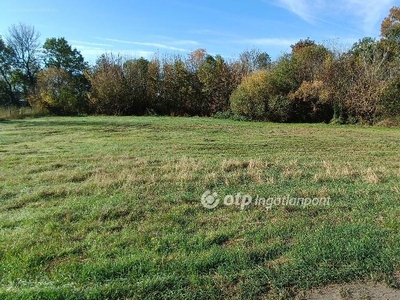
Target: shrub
{"points": [[280, 108], [229, 115], [224, 115], [393, 122], [59, 93], [250, 99]]}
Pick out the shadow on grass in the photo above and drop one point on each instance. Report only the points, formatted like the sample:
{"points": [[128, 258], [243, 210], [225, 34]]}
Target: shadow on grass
{"points": [[104, 123]]}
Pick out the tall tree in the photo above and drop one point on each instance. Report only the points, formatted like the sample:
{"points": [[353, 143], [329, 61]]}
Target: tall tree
{"points": [[254, 60], [177, 91], [215, 76], [23, 40], [135, 73], [62, 85], [302, 44], [390, 28], [59, 54], [109, 92], [390, 32], [7, 74]]}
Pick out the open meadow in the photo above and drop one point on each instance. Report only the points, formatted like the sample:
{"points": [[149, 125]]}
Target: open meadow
{"points": [[110, 207]]}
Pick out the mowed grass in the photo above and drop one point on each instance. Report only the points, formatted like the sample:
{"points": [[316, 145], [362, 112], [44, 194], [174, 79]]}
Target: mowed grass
{"points": [[109, 208]]}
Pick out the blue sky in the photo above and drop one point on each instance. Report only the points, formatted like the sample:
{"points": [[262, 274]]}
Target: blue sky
{"points": [[144, 28]]}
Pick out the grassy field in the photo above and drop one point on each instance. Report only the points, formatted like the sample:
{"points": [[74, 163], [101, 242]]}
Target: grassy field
{"points": [[110, 208]]}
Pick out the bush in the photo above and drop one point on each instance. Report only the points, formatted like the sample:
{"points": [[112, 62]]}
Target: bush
{"points": [[280, 108], [393, 122], [224, 115], [250, 99], [390, 100], [59, 93], [229, 115]]}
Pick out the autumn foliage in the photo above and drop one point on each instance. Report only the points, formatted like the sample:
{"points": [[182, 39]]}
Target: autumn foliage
{"points": [[312, 83]]}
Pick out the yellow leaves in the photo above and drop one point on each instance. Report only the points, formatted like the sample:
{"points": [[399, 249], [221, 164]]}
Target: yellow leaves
{"points": [[314, 90], [251, 96], [390, 27], [48, 99]]}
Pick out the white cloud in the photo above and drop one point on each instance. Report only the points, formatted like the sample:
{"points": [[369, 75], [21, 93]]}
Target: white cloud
{"points": [[90, 44], [367, 13], [371, 12], [299, 7], [92, 53], [155, 45], [269, 42], [174, 42], [186, 42], [211, 32]]}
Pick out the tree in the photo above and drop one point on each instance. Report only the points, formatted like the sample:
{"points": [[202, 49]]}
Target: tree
{"points": [[57, 92], [195, 59], [310, 99], [59, 54], [283, 79], [302, 44], [177, 90], [370, 75], [308, 60], [154, 87], [310, 102], [390, 28], [62, 85], [390, 33], [7, 73], [215, 76], [253, 60], [23, 41], [198, 105], [337, 81], [109, 92], [135, 73]]}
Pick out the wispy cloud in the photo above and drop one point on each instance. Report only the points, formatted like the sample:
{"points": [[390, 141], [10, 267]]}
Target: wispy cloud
{"points": [[186, 43], [302, 8], [170, 41], [371, 12], [210, 32], [90, 44], [268, 42], [367, 13], [92, 51], [146, 44]]}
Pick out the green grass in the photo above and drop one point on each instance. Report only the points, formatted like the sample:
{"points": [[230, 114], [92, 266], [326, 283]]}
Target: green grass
{"points": [[109, 208]]}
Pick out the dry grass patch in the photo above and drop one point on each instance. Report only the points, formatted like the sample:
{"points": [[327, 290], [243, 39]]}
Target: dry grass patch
{"points": [[237, 172], [370, 176], [183, 169], [128, 173], [331, 171], [230, 165], [290, 170]]}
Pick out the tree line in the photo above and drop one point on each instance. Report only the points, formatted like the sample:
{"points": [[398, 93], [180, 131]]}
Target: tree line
{"points": [[312, 83]]}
